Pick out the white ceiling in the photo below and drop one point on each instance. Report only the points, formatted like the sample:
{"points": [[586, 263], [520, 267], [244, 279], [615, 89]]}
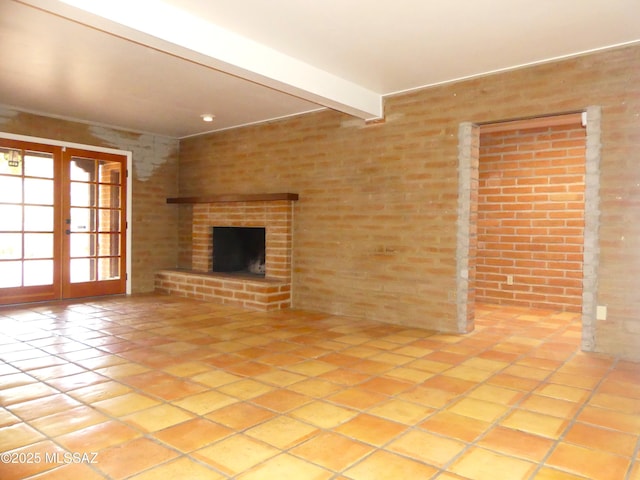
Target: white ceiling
{"points": [[156, 66]]}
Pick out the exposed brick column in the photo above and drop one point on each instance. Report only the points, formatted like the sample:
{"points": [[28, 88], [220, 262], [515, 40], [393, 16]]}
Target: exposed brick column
{"points": [[591, 227], [468, 138]]}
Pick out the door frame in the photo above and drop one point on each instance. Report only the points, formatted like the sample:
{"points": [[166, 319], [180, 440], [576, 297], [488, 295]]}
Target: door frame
{"points": [[468, 158], [129, 182]]}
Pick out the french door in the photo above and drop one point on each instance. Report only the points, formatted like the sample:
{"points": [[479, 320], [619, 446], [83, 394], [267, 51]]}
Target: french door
{"points": [[62, 222]]}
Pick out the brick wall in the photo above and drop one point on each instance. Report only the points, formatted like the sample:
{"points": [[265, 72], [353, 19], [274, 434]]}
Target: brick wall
{"points": [[155, 172], [375, 226], [531, 217]]}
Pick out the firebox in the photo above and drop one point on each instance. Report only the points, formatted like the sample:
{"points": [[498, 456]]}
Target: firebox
{"points": [[239, 250]]}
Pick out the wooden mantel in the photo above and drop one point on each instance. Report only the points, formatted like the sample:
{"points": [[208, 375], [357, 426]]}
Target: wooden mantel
{"points": [[236, 197]]}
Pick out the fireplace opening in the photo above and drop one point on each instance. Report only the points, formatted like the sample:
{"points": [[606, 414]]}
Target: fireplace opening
{"points": [[239, 250]]}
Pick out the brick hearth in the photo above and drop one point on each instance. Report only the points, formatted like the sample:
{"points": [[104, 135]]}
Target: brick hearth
{"points": [[270, 293]]}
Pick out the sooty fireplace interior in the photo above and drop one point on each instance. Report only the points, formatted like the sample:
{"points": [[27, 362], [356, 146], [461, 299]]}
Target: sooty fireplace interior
{"points": [[239, 250]]}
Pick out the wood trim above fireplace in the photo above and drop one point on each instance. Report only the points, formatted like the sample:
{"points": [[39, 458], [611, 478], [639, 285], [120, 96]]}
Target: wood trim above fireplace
{"points": [[236, 197]]}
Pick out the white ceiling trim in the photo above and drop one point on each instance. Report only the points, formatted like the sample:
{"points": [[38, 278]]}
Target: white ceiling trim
{"points": [[162, 26], [511, 68]]}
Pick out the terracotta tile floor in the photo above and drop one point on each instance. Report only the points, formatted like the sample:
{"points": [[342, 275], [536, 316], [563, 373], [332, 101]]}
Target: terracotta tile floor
{"points": [[152, 387]]}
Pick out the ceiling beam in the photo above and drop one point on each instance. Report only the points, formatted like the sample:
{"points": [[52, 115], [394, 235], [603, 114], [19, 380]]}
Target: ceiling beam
{"points": [[175, 31]]}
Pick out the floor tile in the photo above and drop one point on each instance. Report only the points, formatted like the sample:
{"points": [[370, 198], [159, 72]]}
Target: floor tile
{"points": [[513, 382], [157, 418], [180, 469], [18, 435], [468, 373], [429, 365], [401, 411], [454, 385], [241, 415], [323, 414], [246, 389], [392, 358], [236, 454], [215, 378], [481, 464], [455, 426], [563, 392], [127, 459], [427, 447], [68, 420], [428, 397], [281, 400], [371, 429], [286, 466], [620, 421], [548, 473], [311, 368], [616, 402], [282, 432], [495, 394], [125, 404], [332, 451], [122, 370], [99, 391], [594, 464], [344, 377], [68, 471], [580, 380], [24, 393], [517, 443], [280, 378], [57, 371], [382, 464], [622, 389], [550, 406], [490, 365], [72, 382], [7, 418], [41, 407], [193, 434], [601, 439], [478, 409], [411, 375], [16, 380], [186, 369], [205, 402], [30, 460], [530, 373], [535, 423], [97, 437], [386, 385], [248, 369]]}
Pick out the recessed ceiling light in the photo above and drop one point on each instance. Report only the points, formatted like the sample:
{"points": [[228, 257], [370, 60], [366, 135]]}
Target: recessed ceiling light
{"points": [[207, 117]]}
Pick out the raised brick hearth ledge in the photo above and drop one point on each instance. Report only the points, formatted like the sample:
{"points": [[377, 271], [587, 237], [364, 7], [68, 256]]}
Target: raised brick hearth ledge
{"points": [[263, 294]]}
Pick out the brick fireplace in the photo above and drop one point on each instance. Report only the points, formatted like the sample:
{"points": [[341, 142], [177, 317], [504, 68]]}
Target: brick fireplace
{"points": [[273, 212]]}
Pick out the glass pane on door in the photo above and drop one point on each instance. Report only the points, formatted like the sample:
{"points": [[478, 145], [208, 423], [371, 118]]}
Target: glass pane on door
{"points": [[38, 272], [95, 206], [26, 210], [11, 274]]}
